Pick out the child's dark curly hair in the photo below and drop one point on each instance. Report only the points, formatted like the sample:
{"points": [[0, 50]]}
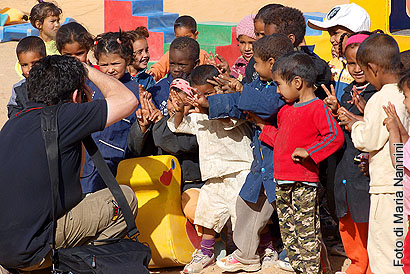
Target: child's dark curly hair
{"points": [[74, 32], [42, 10], [287, 21], [404, 81], [114, 43], [139, 33]]}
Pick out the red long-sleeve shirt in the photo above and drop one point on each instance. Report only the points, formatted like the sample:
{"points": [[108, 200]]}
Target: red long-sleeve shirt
{"points": [[308, 125]]}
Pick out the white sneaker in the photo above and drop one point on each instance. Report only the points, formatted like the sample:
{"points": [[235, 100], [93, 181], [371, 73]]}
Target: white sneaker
{"points": [[269, 258], [285, 265], [199, 262], [340, 272], [230, 264]]}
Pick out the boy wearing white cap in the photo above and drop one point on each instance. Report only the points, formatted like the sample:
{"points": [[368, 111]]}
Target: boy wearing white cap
{"points": [[347, 18]]}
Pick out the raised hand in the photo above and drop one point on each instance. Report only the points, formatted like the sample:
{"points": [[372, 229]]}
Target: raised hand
{"points": [[222, 65], [347, 118], [392, 120], [358, 100], [331, 99], [155, 114], [143, 112]]}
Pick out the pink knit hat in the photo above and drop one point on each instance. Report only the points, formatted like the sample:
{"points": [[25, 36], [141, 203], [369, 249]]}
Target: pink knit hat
{"points": [[246, 27]]}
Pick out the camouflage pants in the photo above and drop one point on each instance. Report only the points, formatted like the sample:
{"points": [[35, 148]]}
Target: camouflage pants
{"points": [[298, 211]]}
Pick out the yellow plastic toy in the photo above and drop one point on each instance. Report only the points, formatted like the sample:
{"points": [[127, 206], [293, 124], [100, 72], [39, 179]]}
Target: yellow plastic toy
{"points": [[11, 16], [156, 181]]}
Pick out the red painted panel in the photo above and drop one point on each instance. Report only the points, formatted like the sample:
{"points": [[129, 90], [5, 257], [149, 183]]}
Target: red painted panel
{"points": [[230, 52]]}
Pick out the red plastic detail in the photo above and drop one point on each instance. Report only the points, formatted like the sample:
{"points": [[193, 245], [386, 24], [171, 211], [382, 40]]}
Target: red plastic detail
{"points": [[192, 235], [166, 177], [230, 52]]}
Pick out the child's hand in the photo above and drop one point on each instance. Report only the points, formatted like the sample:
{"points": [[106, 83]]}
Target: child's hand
{"points": [[358, 100], [331, 99], [155, 114], [299, 155], [150, 72], [347, 118], [392, 120], [222, 66], [176, 102], [143, 112], [255, 119], [364, 167]]}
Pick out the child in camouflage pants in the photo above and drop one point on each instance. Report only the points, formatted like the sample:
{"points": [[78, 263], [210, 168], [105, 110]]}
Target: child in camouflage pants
{"points": [[306, 135]]}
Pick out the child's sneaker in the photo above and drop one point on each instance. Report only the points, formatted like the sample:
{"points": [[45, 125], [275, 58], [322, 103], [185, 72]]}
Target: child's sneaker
{"points": [[199, 262], [269, 258], [285, 265], [230, 264]]}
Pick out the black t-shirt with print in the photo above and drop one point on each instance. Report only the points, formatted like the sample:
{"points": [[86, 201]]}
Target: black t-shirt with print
{"points": [[25, 191]]}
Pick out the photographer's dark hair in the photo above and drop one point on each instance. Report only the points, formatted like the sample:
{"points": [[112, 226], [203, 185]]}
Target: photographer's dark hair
{"points": [[114, 43], [54, 78], [272, 46], [42, 10], [186, 21], [288, 21], [202, 73], [32, 44], [296, 64], [74, 32], [188, 45]]}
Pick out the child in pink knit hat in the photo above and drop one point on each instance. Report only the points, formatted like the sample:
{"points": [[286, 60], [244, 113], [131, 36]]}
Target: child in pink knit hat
{"points": [[245, 34]]}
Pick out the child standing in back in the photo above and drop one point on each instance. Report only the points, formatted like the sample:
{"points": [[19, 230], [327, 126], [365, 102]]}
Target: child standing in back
{"points": [[74, 40], [245, 35], [29, 50], [184, 26], [113, 53], [315, 136], [400, 155], [140, 57], [45, 16], [379, 58], [351, 187]]}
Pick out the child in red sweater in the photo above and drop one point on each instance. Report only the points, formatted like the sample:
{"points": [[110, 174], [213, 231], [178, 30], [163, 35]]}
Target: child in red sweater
{"points": [[306, 135]]}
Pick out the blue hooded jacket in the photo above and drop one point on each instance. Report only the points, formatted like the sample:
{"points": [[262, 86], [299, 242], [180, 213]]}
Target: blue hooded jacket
{"points": [[261, 98]]}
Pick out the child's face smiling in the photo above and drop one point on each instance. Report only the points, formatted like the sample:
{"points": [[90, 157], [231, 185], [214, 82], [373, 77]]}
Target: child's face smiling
{"points": [[288, 91], [75, 50], [141, 54], [335, 33], [263, 68], [49, 28], [354, 69], [179, 62], [113, 65], [245, 46], [27, 60]]}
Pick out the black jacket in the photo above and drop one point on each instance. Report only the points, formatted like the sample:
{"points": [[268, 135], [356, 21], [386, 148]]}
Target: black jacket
{"points": [[355, 191]]}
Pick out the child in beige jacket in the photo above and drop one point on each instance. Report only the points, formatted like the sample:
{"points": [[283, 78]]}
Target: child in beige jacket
{"points": [[379, 58]]}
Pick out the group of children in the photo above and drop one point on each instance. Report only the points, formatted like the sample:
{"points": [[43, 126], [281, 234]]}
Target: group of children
{"points": [[252, 139]]}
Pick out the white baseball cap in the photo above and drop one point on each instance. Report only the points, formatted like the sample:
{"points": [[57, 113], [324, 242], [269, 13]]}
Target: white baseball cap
{"points": [[350, 16]]}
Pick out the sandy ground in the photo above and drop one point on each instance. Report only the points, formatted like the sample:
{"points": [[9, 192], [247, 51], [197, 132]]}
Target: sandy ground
{"points": [[91, 14]]}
